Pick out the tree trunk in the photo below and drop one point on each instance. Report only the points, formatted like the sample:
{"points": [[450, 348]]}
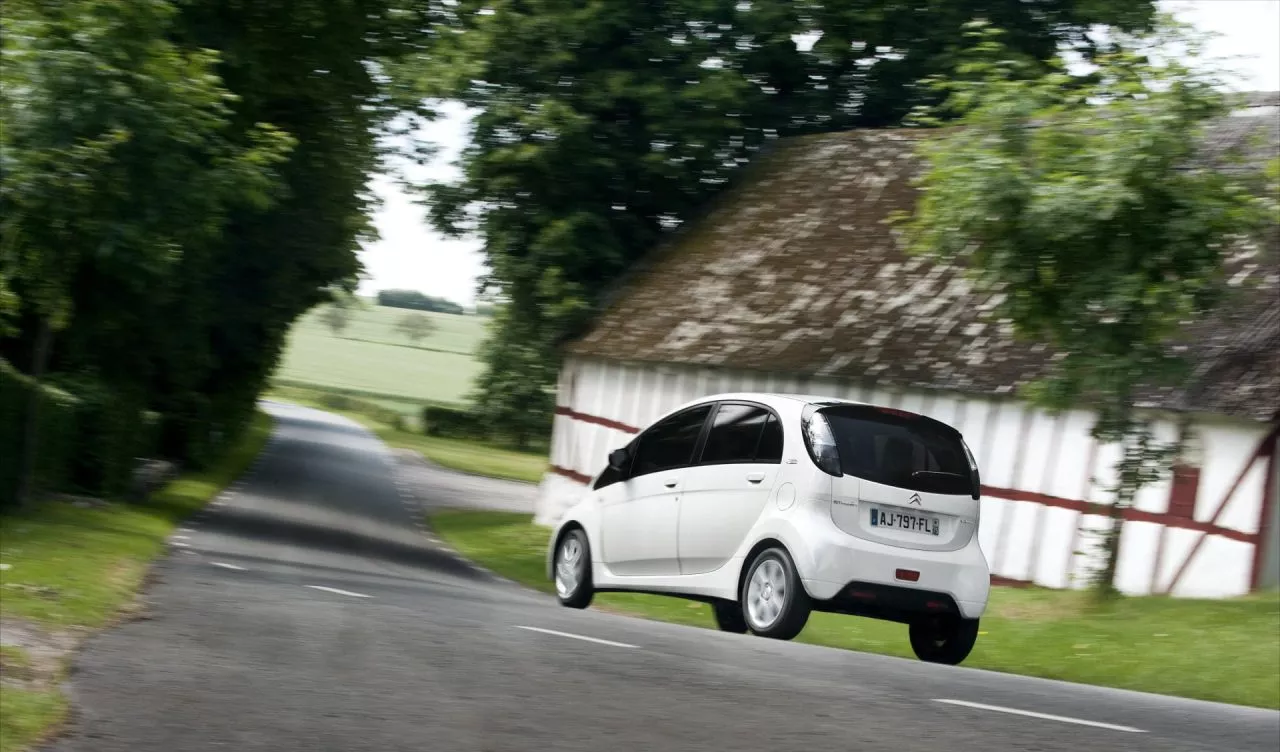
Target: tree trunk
{"points": [[1106, 584], [31, 429]]}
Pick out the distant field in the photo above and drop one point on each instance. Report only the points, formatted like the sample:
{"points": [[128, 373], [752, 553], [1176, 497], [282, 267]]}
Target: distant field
{"points": [[371, 357]]}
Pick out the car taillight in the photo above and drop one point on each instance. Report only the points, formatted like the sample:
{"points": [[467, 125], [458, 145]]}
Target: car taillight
{"points": [[820, 442]]}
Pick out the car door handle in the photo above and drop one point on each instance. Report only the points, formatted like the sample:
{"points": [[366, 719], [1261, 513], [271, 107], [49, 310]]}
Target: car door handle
{"points": [[755, 477], [671, 483]]}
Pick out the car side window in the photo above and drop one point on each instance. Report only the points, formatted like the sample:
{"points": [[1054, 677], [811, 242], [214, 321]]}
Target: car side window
{"points": [[607, 478], [743, 433], [671, 443], [770, 442]]}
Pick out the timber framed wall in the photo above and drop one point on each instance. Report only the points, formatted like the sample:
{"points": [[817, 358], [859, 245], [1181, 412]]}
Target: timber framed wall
{"points": [[1199, 533]]}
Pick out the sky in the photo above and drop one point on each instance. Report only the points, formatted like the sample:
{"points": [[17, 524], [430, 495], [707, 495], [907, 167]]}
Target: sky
{"points": [[410, 255]]}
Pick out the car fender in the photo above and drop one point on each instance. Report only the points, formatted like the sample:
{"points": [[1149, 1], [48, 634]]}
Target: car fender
{"points": [[786, 531], [585, 513]]}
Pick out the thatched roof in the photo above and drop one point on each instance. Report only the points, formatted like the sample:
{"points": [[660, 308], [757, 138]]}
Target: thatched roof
{"points": [[796, 270]]}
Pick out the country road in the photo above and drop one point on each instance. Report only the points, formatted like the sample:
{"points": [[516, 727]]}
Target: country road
{"points": [[308, 610]]}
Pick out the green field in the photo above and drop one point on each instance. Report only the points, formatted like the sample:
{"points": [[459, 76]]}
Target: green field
{"points": [[372, 359], [1223, 650]]}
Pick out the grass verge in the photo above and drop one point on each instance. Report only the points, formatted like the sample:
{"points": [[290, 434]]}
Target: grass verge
{"points": [[73, 568], [472, 457], [1220, 650], [26, 715]]}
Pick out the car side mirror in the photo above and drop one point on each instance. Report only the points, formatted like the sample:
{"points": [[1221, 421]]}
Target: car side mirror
{"points": [[618, 460]]}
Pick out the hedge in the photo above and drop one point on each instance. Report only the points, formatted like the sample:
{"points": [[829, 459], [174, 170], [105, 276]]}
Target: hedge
{"points": [[57, 433], [452, 423], [113, 433]]}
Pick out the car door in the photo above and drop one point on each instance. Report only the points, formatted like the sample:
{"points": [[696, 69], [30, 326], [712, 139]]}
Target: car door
{"points": [[728, 487], [638, 524]]}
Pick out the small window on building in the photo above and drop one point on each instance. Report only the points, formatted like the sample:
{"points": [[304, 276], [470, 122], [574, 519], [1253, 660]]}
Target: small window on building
{"points": [[738, 435], [1185, 485], [670, 444]]}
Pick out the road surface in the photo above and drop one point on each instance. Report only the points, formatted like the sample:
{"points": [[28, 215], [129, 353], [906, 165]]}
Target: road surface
{"points": [[307, 610]]}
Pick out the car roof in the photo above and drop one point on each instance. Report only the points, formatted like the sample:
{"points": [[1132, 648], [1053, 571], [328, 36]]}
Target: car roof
{"points": [[768, 398]]}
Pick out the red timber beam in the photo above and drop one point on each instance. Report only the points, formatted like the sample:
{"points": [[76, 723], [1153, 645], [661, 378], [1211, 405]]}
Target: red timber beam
{"points": [[1263, 449]]}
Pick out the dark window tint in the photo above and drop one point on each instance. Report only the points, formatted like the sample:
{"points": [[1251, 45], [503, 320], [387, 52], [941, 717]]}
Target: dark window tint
{"points": [[743, 433], [670, 443], [899, 450], [607, 478], [770, 442]]}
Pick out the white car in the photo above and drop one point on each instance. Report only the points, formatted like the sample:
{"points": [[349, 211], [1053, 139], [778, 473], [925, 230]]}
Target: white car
{"points": [[770, 506]]}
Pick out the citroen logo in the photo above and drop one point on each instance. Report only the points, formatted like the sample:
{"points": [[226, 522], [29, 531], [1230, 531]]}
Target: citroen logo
{"points": [[915, 498]]}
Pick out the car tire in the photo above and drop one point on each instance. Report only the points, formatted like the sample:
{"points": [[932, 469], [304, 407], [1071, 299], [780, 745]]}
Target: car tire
{"points": [[729, 617], [572, 570], [773, 601], [947, 640]]}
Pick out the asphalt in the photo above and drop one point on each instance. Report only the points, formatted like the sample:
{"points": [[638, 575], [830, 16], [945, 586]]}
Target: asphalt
{"points": [[411, 648]]}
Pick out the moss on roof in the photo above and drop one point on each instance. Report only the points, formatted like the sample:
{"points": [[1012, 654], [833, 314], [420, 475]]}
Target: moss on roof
{"points": [[796, 270]]}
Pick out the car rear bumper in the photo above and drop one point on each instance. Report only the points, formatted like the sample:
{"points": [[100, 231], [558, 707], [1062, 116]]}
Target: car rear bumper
{"points": [[851, 575]]}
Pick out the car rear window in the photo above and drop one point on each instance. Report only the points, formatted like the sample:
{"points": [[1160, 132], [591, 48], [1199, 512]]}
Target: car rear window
{"points": [[900, 449]]}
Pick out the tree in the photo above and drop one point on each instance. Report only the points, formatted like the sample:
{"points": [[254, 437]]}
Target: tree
{"points": [[336, 317], [414, 300], [416, 327], [1089, 200], [121, 168], [603, 126], [181, 180]]}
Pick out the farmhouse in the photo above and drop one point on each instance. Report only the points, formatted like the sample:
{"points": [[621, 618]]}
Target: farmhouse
{"points": [[794, 282]]}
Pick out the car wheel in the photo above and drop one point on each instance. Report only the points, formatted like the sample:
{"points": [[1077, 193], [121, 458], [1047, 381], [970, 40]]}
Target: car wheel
{"points": [[947, 640], [573, 570], [774, 601], [729, 617]]}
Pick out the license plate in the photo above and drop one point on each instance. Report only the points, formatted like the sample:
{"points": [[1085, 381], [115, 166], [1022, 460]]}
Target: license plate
{"points": [[916, 523]]}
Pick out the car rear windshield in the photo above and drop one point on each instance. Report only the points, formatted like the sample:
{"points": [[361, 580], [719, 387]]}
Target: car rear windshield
{"points": [[900, 449]]}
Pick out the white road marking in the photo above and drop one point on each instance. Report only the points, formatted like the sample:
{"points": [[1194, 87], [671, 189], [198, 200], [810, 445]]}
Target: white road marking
{"points": [[578, 637], [181, 537], [339, 592], [179, 544], [225, 565], [1045, 716]]}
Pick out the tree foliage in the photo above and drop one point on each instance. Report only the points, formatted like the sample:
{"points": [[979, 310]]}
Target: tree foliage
{"points": [[336, 318], [414, 300], [416, 327], [1087, 201], [180, 181], [603, 125]]}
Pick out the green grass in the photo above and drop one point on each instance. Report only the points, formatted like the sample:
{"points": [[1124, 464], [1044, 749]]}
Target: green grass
{"points": [[371, 357], [27, 715], [72, 566], [1221, 650]]}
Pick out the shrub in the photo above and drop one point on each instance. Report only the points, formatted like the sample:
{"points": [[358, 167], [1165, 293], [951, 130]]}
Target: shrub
{"points": [[57, 433], [113, 432], [452, 422]]}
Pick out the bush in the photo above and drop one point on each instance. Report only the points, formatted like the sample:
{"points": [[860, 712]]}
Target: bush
{"points": [[113, 432], [57, 433], [452, 423]]}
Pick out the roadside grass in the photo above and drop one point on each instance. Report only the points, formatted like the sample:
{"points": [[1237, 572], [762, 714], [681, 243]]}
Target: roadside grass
{"points": [[371, 356], [26, 715], [1219, 650], [74, 566], [476, 458]]}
